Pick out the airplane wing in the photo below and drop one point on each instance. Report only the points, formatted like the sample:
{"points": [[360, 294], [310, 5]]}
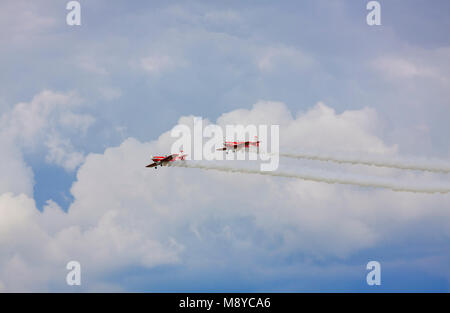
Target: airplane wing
{"points": [[152, 165]]}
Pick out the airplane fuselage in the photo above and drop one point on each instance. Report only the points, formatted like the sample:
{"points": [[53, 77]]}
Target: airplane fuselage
{"points": [[165, 160]]}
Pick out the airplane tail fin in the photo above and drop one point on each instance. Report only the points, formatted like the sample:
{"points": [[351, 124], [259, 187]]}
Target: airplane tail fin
{"points": [[257, 144], [182, 155]]}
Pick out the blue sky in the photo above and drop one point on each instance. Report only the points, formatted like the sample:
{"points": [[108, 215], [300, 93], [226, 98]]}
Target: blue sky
{"points": [[76, 99]]}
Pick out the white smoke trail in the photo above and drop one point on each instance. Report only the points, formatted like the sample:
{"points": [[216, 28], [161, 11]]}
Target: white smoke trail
{"points": [[318, 178], [398, 164]]}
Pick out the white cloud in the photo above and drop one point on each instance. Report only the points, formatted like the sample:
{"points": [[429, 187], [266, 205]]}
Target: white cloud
{"points": [[44, 119], [47, 118], [425, 64], [62, 153], [401, 68], [15, 176], [27, 120], [36, 246], [126, 215], [318, 129]]}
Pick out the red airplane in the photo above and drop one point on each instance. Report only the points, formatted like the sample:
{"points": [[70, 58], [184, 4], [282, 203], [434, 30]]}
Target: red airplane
{"points": [[238, 145], [165, 160]]}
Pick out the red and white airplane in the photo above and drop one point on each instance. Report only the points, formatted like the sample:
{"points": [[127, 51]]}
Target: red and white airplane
{"points": [[238, 145], [165, 160]]}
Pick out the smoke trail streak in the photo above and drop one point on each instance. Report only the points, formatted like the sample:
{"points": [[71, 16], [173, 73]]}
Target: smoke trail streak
{"points": [[317, 178], [398, 164]]}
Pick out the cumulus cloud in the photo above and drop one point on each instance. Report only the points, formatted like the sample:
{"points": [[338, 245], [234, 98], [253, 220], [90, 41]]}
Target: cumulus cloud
{"points": [[318, 129], [16, 176], [126, 215], [62, 153], [28, 120], [36, 246], [76, 122], [416, 64], [47, 118], [236, 57]]}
